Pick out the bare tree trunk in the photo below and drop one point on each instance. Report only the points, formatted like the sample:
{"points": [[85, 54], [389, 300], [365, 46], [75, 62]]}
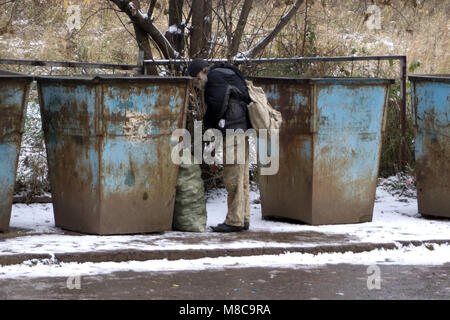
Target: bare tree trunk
{"points": [[207, 25], [237, 36], [176, 36], [196, 29], [144, 44], [306, 28], [200, 28]]}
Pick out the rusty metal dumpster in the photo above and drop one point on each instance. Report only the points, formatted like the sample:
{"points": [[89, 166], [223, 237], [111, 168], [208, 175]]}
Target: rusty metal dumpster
{"points": [[329, 148], [108, 148], [13, 95], [431, 107]]}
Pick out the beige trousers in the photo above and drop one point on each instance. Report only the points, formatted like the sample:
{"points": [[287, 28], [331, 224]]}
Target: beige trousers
{"points": [[236, 180]]}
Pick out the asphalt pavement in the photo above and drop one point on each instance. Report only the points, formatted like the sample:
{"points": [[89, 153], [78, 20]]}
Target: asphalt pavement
{"points": [[341, 281]]}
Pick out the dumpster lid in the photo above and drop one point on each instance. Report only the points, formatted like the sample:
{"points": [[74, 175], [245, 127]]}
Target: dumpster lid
{"points": [[110, 77], [430, 77], [325, 80]]}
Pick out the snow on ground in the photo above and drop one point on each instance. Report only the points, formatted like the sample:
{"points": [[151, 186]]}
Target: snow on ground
{"points": [[423, 255], [394, 219], [37, 217]]}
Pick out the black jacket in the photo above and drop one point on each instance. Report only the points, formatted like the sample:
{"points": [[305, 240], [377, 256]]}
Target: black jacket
{"points": [[226, 97]]}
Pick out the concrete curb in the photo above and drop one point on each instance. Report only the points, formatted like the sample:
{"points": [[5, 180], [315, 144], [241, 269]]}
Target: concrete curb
{"points": [[141, 255]]}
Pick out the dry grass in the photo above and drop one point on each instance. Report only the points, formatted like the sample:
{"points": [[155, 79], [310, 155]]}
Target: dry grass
{"points": [[38, 31], [421, 33]]}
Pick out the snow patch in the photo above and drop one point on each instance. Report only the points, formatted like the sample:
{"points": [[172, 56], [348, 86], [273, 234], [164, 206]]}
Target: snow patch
{"points": [[423, 255], [173, 29]]}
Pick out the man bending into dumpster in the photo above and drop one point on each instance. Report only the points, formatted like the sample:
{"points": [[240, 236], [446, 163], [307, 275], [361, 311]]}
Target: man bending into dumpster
{"points": [[226, 97]]}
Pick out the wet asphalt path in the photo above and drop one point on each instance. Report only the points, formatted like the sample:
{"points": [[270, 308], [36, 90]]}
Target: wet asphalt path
{"points": [[325, 282]]}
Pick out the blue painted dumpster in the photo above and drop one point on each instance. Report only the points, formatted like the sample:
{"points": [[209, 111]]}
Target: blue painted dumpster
{"points": [[108, 148], [431, 106], [13, 96], [329, 148]]}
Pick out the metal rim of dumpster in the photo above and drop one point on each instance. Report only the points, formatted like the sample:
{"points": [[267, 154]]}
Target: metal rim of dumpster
{"points": [[429, 77], [348, 80], [16, 77], [107, 77]]}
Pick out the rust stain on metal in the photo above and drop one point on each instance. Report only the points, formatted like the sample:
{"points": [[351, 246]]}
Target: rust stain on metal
{"points": [[110, 169], [431, 104], [13, 95], [330, 144]]}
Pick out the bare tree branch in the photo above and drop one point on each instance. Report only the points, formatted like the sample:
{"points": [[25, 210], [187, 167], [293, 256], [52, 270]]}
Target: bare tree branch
{"points": [[188, 18], [262, 44], [13, 12], [89, 17], [228, 25], [151, 8], [218, 15], [6, 2], [124, 26], [147, 25]]}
